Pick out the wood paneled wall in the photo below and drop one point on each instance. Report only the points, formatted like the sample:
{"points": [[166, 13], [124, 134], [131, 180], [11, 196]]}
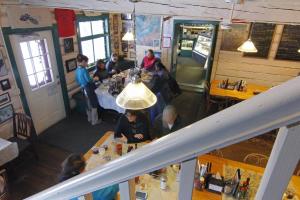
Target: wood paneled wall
{"points": [[268, 72]]}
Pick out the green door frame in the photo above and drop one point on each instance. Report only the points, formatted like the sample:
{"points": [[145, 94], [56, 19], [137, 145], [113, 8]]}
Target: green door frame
{"points": [[214, 41], [7, 31]]}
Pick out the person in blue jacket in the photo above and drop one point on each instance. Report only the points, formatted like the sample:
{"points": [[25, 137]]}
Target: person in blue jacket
{"points": [[86, 83], [73, 165]]}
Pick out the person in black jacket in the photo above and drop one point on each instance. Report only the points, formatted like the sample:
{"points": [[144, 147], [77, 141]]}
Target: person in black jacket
{"points": [[100, 73], [167, 122], [132, 127], [112, 66]]}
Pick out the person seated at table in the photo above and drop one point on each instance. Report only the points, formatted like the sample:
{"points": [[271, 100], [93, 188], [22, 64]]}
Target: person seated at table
{"points": [[73, 165], [149, 61], [132, 127], [167, 122], [100, 73], [112, 65]]}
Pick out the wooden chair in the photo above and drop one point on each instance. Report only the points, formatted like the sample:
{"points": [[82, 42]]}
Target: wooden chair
{"points": [[256, 159], [24, 133], [221, 103], [4, 193]]}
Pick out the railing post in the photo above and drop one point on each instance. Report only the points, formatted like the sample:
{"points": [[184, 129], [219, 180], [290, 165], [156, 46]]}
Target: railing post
{"points": [[186, 183], [281, 165], [127, 190]]}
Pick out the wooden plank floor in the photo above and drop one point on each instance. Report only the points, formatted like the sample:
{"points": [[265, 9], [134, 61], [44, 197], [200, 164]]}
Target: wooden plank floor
{"points": [[32, 176]]}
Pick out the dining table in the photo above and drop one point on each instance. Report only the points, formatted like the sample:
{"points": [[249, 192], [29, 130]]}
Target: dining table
{"points": [[151, 184], [250, 91], [107, 100], [8, 151]]}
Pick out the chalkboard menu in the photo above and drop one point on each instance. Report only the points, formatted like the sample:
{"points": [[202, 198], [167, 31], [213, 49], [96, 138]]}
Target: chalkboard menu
{"points": [[289, 44], [261, 36]]}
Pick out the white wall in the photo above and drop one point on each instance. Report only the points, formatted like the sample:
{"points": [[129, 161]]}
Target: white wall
{"points": [[268, 72]]}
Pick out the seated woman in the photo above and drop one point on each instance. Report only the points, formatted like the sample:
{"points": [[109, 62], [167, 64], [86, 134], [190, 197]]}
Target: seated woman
{"points": [[112, 65], [132, 127], [149, 61], [100, 73], [73, 165]]}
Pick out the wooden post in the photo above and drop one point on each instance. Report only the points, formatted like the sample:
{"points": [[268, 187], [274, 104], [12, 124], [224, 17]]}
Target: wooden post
{"points": [[281, 165], [127, 190]]}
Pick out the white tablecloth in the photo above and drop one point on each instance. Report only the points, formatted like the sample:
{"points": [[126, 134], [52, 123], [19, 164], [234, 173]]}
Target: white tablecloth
{"points": [[106, 100], [8, 151]]}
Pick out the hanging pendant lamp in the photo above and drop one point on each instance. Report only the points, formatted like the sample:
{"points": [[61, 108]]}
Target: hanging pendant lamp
{"points": [[248, 46], [136, 95]]}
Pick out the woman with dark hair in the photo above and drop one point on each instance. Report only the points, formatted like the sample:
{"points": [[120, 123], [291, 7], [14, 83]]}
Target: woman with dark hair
{"points": [[149, 61], [100, 73], [132, 127], [73, 165], [86, 83]]}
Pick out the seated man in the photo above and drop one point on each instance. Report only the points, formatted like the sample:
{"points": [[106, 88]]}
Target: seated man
{"points": [[112, 65], [132, 127], [167, 122]]}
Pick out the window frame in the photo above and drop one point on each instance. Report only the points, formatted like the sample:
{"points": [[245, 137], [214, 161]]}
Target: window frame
{"points": [[105, 35]]}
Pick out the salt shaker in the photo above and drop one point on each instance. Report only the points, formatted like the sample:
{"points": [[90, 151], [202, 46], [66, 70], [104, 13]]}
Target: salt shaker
{"points": [[163, 182]]}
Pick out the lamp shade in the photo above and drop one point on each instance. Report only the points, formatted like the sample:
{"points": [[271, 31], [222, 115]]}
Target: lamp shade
{"points": [[128, 36], [248, 47], [136, 96]]}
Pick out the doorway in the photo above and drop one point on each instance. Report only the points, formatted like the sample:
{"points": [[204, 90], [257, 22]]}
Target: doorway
{"points": [[193, 49], [37, 66]]}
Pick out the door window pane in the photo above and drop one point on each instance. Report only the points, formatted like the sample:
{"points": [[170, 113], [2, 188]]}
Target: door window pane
{"points": [[99, 47], [32, 82], [29, 67], [37, 62], [88, 50], [97, 27], [85, 29], [24, 49]]}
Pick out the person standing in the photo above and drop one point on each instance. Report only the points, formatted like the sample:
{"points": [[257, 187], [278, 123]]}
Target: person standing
{"points": [[149, 61], [86, 83]]}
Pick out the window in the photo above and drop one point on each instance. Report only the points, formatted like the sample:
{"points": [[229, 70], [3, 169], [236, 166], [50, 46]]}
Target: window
{"points": [[37, 63], [93, 37]]}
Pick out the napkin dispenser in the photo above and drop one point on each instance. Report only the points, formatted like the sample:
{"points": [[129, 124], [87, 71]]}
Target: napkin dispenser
{"points": [[213, 184]]}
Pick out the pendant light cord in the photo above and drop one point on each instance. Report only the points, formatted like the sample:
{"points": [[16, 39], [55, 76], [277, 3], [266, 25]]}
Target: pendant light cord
{"points": [[134, 34]]}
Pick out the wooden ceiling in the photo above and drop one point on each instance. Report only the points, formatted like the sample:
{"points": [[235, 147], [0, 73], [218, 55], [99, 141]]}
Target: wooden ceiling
{"points": [[278, 11]]}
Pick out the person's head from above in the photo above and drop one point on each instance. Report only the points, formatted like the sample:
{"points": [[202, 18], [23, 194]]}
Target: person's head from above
{"points": [[73, 165], [131, 115], [114, 57], [100, 64], [159, 66], [169, 115], [82, 60], [150, 53]]}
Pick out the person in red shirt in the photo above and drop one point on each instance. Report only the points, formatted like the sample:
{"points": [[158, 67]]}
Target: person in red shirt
{"points": [[149, 61]]}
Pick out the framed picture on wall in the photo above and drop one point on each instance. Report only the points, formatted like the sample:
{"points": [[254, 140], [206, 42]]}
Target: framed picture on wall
{"points": [[3, 69], [166, 42], [5, 85], [68, 45], [4, 98], [71, 64], [6, 113], [124, 46], [126, 16]]}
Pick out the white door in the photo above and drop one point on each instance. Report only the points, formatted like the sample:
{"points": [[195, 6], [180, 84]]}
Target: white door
{"points": [[36, 62]]}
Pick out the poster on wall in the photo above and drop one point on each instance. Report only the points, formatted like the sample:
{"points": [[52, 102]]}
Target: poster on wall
{"points": [[24, 17], [6, 113], [3, 69], [148, 30], [233, 38], [289, 44]]}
